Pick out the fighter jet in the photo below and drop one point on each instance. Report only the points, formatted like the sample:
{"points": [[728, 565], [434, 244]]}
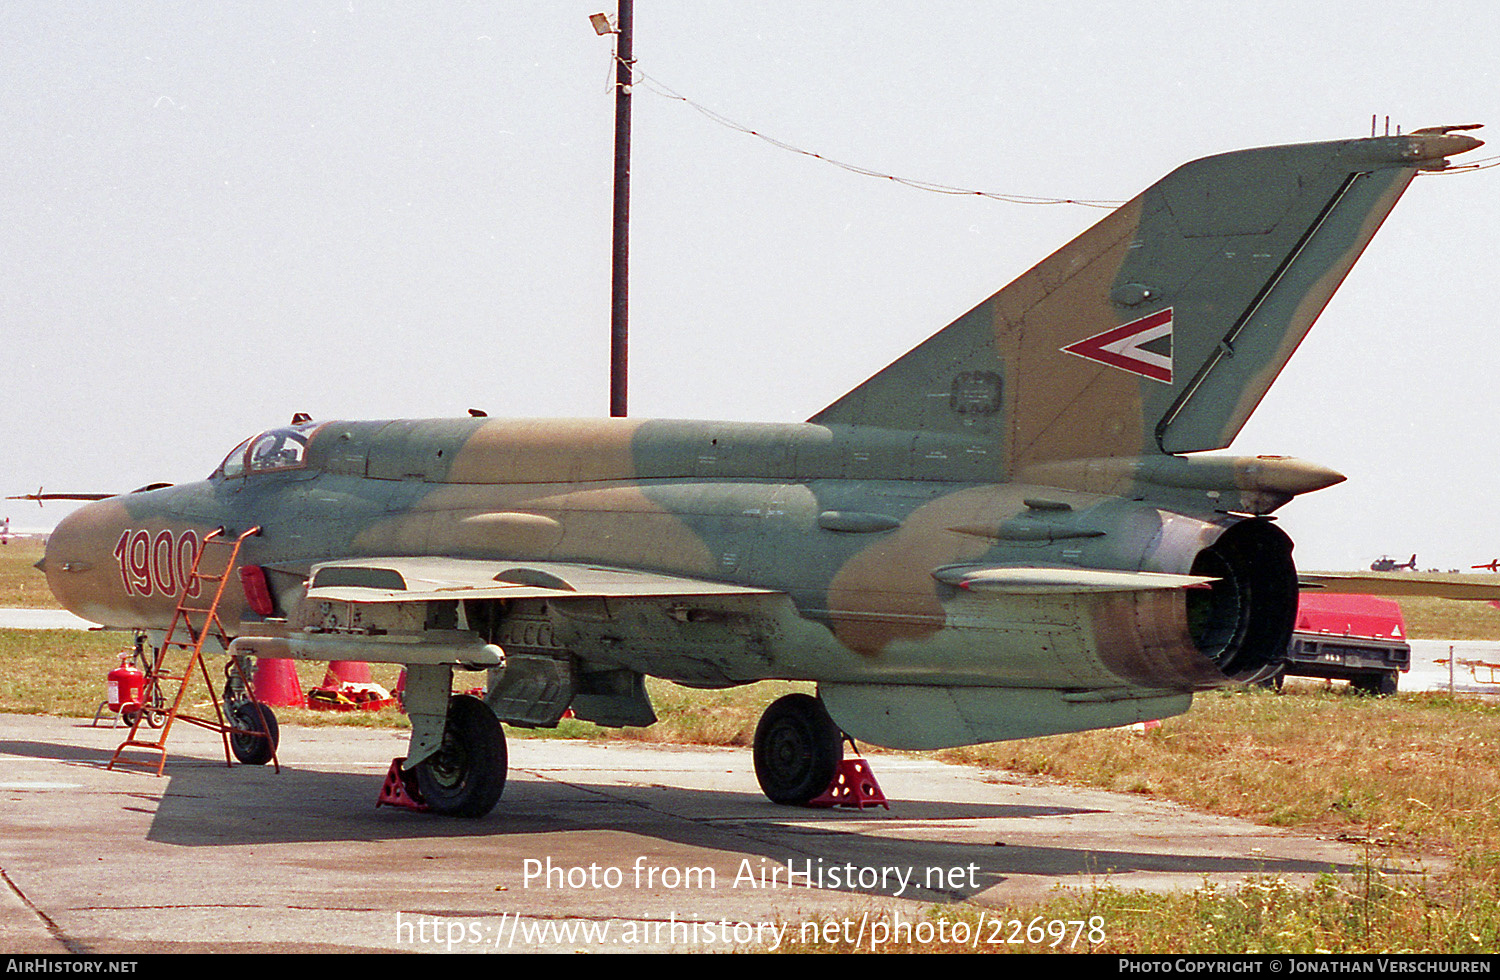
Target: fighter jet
{"points": [[1006, 533]]}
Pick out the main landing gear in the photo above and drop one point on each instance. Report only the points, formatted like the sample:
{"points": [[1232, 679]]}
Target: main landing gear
{"points": [[466, 775], [798, 755], [798, 749]]}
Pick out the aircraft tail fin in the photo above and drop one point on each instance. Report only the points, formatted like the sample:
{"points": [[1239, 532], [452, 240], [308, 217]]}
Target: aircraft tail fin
{"points": [[1159, 329]]}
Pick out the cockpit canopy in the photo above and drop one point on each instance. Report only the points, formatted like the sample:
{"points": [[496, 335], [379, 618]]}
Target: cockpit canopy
{"points": [[269, 452]]}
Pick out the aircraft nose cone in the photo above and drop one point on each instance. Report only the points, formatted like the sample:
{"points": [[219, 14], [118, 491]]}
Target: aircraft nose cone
{"points": [[78, 560]]}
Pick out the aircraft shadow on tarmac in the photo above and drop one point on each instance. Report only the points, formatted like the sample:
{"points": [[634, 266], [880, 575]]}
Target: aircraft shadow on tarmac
{"points": [[56, 750], [203, 805]]}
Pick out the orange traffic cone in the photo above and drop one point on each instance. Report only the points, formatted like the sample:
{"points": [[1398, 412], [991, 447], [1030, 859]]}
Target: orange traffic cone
{"points": [[342, 672], [276, 683]]}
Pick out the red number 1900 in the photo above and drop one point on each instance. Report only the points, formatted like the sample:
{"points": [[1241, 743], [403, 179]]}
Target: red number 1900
{"points": [[161, 564]]}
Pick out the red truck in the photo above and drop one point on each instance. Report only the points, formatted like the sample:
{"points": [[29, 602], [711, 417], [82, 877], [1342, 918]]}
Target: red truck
{"points": [[1357, 638]]}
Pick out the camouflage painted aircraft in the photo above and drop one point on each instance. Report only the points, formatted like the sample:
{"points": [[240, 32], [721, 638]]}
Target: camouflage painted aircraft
{"points": [[1000, 535]]}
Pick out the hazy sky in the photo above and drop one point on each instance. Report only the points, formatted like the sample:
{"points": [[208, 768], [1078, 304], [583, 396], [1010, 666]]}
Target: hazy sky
{"points": [[217, 214]]}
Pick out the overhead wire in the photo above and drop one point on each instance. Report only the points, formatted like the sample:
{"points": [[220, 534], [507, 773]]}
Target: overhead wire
{"points": [[665, 91], [660, 88]]}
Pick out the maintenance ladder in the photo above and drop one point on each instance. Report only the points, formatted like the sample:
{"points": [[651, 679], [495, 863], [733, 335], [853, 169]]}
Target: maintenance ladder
{"points": [[197, 634]]}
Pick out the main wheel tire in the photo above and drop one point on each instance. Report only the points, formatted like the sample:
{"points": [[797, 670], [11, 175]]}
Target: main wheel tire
{"points": [[466, 775], [1377, 683], [797, 749], [1274, 682], [250, 748]]}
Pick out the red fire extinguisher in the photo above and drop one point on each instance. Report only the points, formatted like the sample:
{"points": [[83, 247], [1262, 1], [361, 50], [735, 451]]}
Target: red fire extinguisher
{"points": [[126, 684]]}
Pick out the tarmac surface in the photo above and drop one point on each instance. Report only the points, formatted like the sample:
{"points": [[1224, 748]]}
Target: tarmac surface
{"points": [[42, 619], [1459, 666], [615, 847]]}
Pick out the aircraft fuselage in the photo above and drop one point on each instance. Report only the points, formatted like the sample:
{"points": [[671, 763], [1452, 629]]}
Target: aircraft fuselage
{"points": [[849, 527]]}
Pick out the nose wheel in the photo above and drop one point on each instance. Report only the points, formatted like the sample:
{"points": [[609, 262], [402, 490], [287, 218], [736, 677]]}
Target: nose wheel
{"points": [[257, 735], [797, 750]]}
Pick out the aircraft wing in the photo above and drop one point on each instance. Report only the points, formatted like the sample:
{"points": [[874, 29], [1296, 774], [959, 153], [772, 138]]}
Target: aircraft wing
{"points": [[581, 634], [427, 579], [1362, 583]]}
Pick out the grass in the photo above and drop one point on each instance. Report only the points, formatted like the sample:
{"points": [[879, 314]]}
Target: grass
{"points": [[1372, 912], [1451, 619], [21, 585], [726, 717], [1405, 779], [1417, 769], [56, 672], [62, 672]]}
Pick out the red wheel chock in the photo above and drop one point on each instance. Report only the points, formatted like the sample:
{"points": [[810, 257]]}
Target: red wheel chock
{"points": [[400, 789], [853, 786]]}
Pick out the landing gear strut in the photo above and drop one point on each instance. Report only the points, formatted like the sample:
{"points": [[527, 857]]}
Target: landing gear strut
{"points": [[257, 733], [466, 775], [797, 749]]}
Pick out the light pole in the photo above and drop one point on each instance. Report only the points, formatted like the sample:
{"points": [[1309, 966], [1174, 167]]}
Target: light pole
{"points": [[619, 315]]}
